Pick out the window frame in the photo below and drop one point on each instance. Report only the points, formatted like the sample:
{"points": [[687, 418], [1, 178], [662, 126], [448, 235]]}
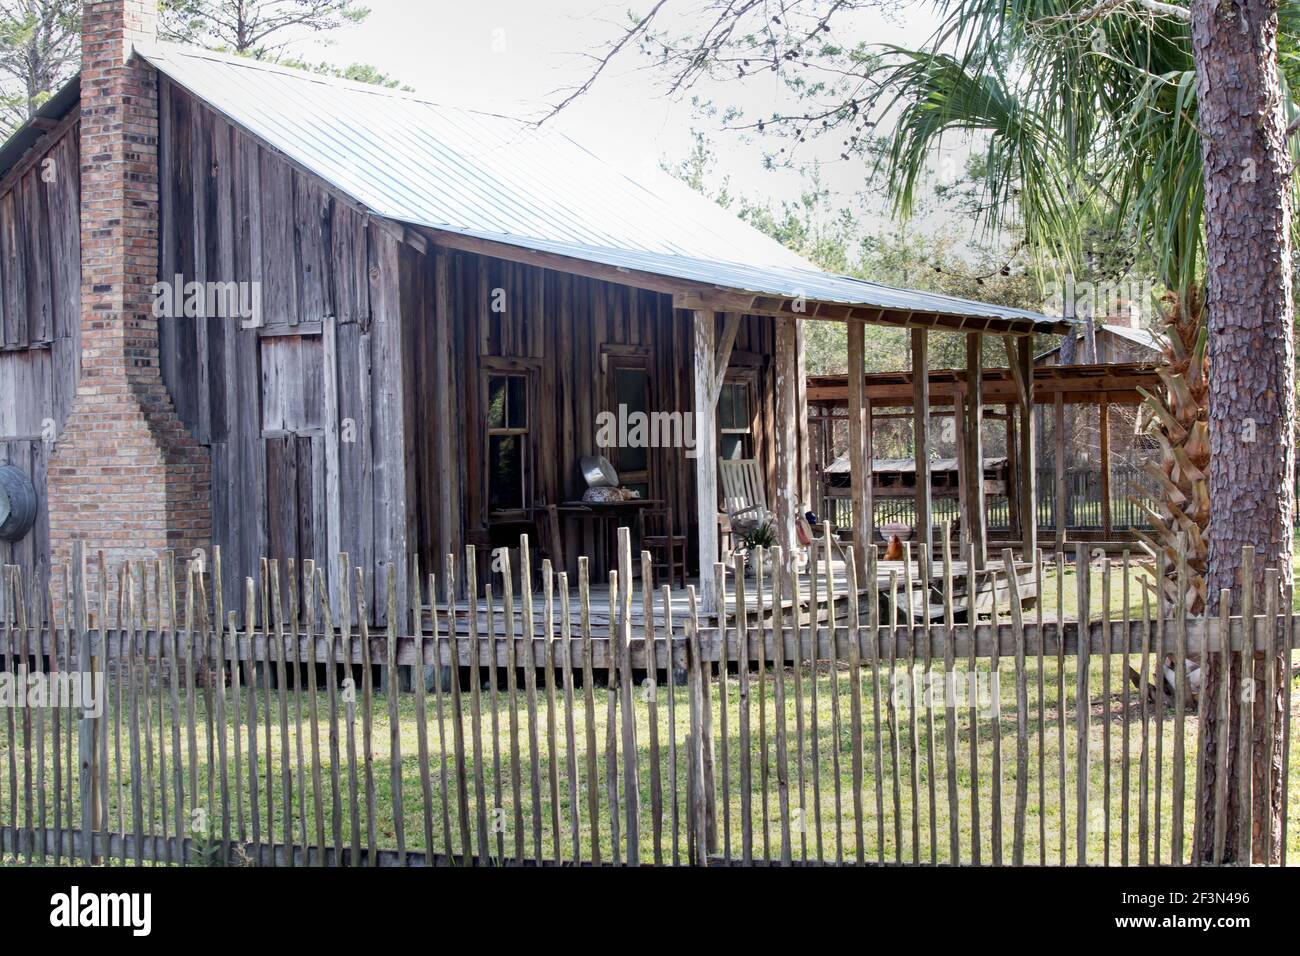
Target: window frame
{"points": [[748, 435], [526, 435], [614, 362]]}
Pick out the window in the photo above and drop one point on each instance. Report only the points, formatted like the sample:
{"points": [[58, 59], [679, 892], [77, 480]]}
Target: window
{"points": [[630, 386], [507, 444], [735, 424]]}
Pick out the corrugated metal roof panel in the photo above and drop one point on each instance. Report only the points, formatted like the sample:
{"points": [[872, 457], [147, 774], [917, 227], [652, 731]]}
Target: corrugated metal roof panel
{"points": [[501, 180]]}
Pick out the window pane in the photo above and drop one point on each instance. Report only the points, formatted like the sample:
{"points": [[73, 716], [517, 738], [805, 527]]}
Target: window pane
{"points": [[740, 407], [505, 473], [496, 408], [731, 447], [725, 414], [631, 390], [517, 411], [633, 459]]}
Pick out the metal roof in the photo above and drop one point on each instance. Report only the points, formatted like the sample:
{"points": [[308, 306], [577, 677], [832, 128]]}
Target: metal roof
{"points": [[501, 180]]}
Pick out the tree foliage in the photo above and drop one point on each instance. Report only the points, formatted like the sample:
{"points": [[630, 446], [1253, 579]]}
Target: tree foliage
{"points": [[258, 28], [40, 41], [1082, 114]]}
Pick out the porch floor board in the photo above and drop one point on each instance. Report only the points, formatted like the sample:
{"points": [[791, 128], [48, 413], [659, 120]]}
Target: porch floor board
{"points": [[680, 605]]}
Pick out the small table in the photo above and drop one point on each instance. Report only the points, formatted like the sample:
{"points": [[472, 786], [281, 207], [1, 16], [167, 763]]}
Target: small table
{"points": [[607, 516]]}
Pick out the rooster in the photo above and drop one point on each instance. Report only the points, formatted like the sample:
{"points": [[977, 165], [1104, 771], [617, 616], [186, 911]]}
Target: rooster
{"points": [[894, 550]]}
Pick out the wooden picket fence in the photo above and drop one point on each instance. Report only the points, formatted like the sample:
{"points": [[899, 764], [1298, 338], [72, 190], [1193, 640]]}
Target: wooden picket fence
{"points": [[597, 727]]}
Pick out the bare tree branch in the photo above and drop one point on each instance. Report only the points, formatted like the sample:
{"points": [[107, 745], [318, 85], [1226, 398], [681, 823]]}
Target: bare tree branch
{"points": [[638, 29]]}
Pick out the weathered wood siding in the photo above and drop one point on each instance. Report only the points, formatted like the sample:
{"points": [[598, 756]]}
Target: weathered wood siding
{"points": [[564, 330], [304, 414], [40, 328]]}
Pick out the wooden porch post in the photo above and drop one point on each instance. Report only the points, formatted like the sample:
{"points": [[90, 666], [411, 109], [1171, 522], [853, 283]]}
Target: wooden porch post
{"points": [[789, 483], [859, 447], [1103, 412], [803, 434], [712, 355], [1013, 473], [1061, 492], [1024, 355], [921, 436], [448, 482], [706, 456], [963, 471], [975, 447]]}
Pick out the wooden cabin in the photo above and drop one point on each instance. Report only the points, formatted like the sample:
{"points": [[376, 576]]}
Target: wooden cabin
{"points": [[405, 323]]}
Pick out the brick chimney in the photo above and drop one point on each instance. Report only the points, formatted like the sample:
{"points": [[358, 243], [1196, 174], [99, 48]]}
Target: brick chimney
{"points": [[125, 477]]}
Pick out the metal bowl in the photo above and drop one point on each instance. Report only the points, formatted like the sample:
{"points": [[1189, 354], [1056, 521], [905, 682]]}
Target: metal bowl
{"points": [[887, 531], [598, 472]]}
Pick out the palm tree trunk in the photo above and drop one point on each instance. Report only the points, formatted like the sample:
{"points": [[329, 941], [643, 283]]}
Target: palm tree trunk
{"points": [[1251, 359]]}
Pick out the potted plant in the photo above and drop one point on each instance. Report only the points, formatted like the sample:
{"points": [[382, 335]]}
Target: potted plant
{"points": [[760, 536]]}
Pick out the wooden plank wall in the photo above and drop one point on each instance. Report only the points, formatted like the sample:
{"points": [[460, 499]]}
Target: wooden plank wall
{"points": [[332, 404], [40, 328], [563, 329], [305, 416]]}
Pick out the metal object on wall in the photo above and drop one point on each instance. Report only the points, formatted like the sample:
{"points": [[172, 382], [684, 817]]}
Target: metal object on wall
{"points": [[17, 503]]}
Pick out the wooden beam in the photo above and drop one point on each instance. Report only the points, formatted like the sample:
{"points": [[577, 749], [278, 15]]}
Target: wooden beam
{"points": [[1058, 426], [1081, 385], [448, 481], [921, 440], [787, 437], [975, 447], [957, 431], [859, 448], [730, 326], [1028, 473], [1013, 473], [801, 413], [1103, 414], [1019, 378], [706, 454]]}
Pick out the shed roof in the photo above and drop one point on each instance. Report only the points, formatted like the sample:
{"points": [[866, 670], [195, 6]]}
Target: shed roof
{"points": [[1140, 337], [492, 179]]}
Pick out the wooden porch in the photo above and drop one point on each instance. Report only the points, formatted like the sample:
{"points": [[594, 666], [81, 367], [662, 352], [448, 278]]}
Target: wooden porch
{"points": [[815, 601]]}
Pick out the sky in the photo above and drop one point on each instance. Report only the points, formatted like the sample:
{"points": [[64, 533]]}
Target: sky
{"points": [[512, 56]]}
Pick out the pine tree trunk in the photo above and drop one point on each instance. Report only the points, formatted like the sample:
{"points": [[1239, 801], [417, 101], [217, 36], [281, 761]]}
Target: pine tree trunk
{"points": [[1252, 390]]}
